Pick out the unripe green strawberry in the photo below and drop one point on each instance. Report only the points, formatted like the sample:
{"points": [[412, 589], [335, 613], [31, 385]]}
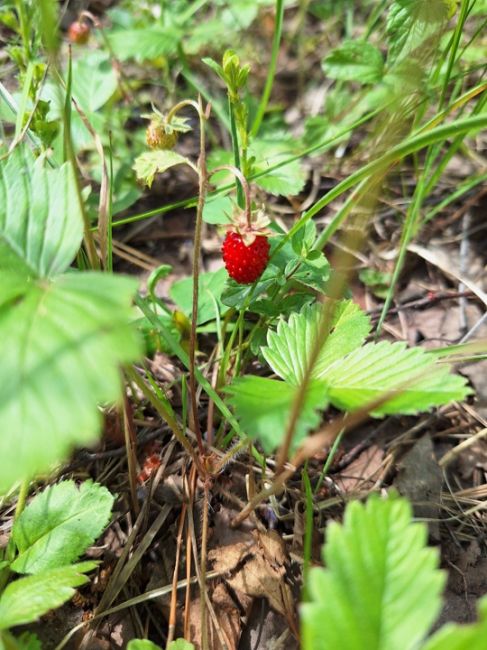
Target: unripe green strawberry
{"points": [[159, 136]]}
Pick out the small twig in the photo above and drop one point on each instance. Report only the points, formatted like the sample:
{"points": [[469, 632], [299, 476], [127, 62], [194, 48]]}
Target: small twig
{"points": [[172, 613], [129, 437]]}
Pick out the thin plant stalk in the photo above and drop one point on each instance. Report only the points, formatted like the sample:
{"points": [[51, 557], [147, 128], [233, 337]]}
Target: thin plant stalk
{"points": [[203, 186], [276, 42]]}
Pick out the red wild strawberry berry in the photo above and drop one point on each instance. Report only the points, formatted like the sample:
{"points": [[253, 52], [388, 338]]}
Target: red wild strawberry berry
{"points": [[78, 32], [245, 264]]}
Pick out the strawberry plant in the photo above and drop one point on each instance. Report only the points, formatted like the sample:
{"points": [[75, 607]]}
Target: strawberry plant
{"points": [[188, 236], [381, 587]]}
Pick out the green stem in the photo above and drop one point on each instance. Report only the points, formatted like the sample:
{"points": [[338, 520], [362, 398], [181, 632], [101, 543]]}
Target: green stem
{"points": [[236, 152], [272, 69]]}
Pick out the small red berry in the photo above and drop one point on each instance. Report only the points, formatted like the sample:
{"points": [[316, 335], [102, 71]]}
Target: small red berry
{"points": [[245, 264], [79, 32]]}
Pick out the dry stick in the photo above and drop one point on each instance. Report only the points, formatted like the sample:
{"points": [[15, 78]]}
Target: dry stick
{"points": [[203, 562], [129, 436], [172, 613], [189, 555]]}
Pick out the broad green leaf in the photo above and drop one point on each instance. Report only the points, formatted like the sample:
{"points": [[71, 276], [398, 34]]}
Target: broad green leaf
{"points": [[218, 210], [144, 43], [26, 599], [157, 161], [354, 61], [94, 80], [59, 524], [61, 345], [211, 285], [411, 374], [263, 407], [41, 225], [289, 348], [381, 588], [462, 637], [142, 644], [287, 180]]}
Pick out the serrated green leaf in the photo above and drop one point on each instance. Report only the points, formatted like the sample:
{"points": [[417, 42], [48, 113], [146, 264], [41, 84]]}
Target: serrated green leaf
{"points": [[157, 161], [381, 588], [417, 381], [263, 407], [59, 524], [61, 345], [210, 284], [462, 637], [26, 599], [289, 348], [354, 61], [144, 43], [41, 226]]}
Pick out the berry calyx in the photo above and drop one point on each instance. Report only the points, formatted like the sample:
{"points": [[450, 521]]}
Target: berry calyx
{"points": [[79, 32], [245, 263]]}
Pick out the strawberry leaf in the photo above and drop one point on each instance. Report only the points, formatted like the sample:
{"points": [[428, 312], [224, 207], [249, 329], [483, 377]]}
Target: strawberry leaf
{"points": [[59, 524], [381, 587], [61, 344], [26, 599], [289, 348], [354, 61], [411, 374], [150, 163], [263, 407], [41, 226]]}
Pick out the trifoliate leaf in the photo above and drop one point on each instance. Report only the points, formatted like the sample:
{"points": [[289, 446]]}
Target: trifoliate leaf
{"points": [[411, 374], [41, 226], [26, 599], [157, 161], [381, 587], [59, 524], [354, 61], [263, 407], [462, 637], [61, 344], [289, 348]]}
